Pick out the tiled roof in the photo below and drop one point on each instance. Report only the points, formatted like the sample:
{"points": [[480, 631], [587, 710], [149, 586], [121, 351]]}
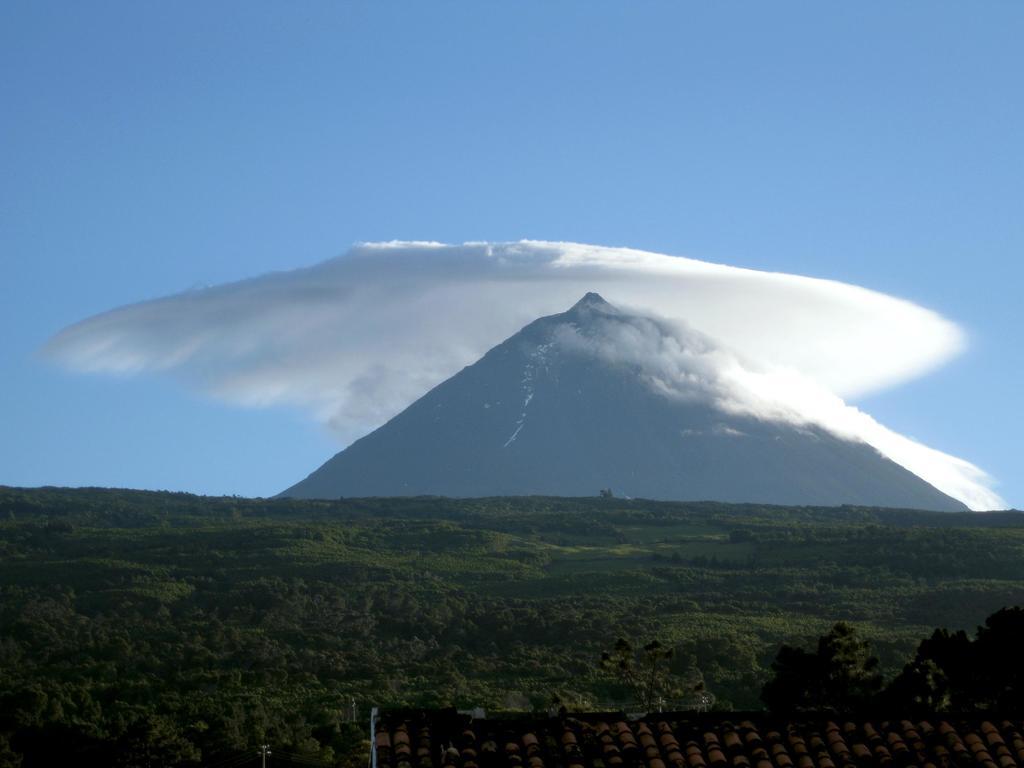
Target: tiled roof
{"points": [[444, 739]]}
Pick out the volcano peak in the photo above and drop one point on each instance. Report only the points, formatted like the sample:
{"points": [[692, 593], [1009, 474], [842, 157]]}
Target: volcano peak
{"points": [[548, 412]]}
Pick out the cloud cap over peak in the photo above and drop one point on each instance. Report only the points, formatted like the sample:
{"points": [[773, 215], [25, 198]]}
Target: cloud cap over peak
{"points": [[360, 336]]}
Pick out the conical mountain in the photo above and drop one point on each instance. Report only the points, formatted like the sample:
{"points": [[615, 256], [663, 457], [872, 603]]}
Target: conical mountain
{"points": [[555, 410]]}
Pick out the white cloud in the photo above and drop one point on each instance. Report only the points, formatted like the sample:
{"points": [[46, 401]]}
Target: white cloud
{"points": [[356, 338], [678, 361]]}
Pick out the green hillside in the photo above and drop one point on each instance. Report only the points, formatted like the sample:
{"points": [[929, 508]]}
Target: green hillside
{"points": [[188, 625]]}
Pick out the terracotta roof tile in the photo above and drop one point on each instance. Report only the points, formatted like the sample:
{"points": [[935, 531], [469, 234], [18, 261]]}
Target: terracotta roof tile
{"points": [[686, 740]]}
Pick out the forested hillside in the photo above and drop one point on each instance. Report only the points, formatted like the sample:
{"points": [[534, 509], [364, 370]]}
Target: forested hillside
{"points": [[173, 626]]}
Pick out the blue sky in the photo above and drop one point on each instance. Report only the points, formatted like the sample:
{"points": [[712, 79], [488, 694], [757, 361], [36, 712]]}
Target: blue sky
{"points": [[147, 148]]}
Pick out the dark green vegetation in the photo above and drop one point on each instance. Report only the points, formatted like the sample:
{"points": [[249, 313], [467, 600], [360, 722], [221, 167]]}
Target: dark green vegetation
{"points": [[950, 672], [155, 626]]}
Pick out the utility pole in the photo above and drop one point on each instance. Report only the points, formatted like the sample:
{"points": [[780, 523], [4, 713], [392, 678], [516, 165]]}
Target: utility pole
{"points": [[263, 752]]}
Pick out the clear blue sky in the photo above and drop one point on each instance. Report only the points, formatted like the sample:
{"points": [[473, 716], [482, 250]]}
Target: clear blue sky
{"points": [[147, 147]]}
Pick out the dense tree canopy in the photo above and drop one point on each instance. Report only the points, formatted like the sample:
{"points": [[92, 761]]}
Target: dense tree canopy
{"points": [[949, 673], [166, 628], [840, 675]]}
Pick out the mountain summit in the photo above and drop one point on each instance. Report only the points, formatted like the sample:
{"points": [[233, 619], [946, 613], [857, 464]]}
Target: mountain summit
{"points": [[589, 399], [593, 300]]}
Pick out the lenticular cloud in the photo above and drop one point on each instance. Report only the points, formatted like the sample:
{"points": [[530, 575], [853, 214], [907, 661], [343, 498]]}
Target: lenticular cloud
{"points": [[357, 338]]}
